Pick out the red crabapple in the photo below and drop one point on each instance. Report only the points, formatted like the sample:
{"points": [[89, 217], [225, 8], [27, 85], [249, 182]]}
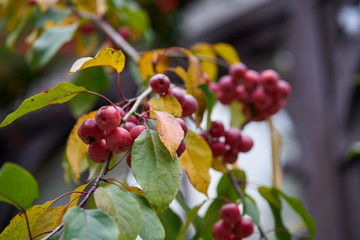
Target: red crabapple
{"points": [[160, 83], [226, 84], [251, 79], [218, 148], [107, 118], [246, 144], [135, 131], [119, 140], [99, 152], [189, 106], [183, 125], [129, 125], [269, 79], [89, 132], [217, 129], [283, 89], [121, 111], [125, 33], [237, 72], [230, 213], [221, 230], [260, 99], [176, 93], [133, 119], [241, 94], [128, 159], [244, 228], [181, 149], [230, 156], [233, 137]]}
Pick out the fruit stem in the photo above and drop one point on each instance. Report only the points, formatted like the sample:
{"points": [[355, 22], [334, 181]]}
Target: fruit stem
{"points": [[141, 97]]}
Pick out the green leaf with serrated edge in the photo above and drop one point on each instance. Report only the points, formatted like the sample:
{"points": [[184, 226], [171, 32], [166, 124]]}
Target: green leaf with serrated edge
{"points": [[50, 41], [123, 209], [171, 223], [151, 227], [237, 118], [93, 79], [227, 189], [190, 217], [299, 208], [250, 208], [156, 172], [84, 224], [61, 93], [210, 101], [272, 197], [17, 186]]}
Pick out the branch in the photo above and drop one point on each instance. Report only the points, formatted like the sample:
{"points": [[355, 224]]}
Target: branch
{"points": [[241, 195], [88, 195], [137, 103]]}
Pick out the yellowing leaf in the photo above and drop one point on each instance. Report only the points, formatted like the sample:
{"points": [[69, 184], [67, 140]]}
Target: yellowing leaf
{"points": [[166, 103], [44, 5], [218, 164], [205, 53], [75, 147], [146, 63], [201, 100], [73, 202], [162, 63], [135, 190], [48, 221], [196, 160], [180, 71], [227, 52], [17, 229], [170, 131], [105, 57], [276, 144]]}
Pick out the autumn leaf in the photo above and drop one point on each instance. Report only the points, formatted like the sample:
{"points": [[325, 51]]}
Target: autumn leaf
{"points": [[276, 144], [170, 131], [196, 160], [162, 63], [219, 165], [226, 52], [75, 147], [146, 64], [105, 57], [205, 53], [74, 198], [48, 221], [135, 190], [166, 103]]}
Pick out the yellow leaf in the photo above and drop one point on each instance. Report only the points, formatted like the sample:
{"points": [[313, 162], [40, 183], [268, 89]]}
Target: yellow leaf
{"points": [[166, 103], [276, 144], [135, 190], [44, 5], [75, 147], [17, 229], [162, 63], [201, 100], [170, 131], [205, 53], [97, 7], [73, 202], [48, 221], [146, 63], [196, 160], [180, 71], [218, 164], [105, 57], [227, 52]]}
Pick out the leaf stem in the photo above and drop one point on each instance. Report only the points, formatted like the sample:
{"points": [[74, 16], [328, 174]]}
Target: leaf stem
{"points": [[119, 89], [241, 195]]}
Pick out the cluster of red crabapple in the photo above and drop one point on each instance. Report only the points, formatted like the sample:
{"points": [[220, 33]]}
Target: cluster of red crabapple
{"points": [[262, 94], [232, 226], [104, 133]]}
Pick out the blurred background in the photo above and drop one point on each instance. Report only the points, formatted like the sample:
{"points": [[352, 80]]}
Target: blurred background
{"points": [[313, 44]]}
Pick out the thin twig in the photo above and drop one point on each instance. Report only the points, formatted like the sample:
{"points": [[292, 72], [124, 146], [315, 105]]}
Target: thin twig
{"points": [[137, 103]]}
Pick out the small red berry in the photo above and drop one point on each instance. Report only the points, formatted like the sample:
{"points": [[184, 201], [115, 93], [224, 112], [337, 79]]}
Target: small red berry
{"points": [[183, 125], [218, 148], [230, 213], [133, 119], [221, 230], [233, 137], [89, 132], [177, 93], [181, 149], [119, 140], [129, 125], [269, 79], [237, 72], [217, 129], [99, 152], [125, 33], [121, 111], [251, 79], [246, 144], [160, 83], [226, 84], [230, 156], [260, 99], [283, 89], [135, 131], [189, 106], [128, 159], [107, 118], [244, 228], [241, 94]]}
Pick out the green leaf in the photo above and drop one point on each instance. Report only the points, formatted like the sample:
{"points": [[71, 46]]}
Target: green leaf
{"points": [[250, 208], [123, 209], [210, 97], [156, 172], [353, 151], [50, 41], [87, 224], [299, 208], [171, 223], [190, 217], [52, 14], [271, 196], [227, 189], [237, 117], [17, 186], [151, 227], [61, 93], [93, 79]]}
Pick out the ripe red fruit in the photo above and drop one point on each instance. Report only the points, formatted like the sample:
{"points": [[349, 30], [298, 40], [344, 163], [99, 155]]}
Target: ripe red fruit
{"points": [[251, 79], [226, 84], [218, 148], [118, 140], [181, 149], [244, 228], [183, 125], [128, 159], [189, 106], [230, 213], [233, 137], [225, 97], [89, 132], [221, 230], [217, 129], [99, 152], [129, 125], [269, 79], [213, 86], [260, 99], [125, 33], [160, 83], [283, 89], [246, 144], [107, 118], [234, 237], [135, 131], [175, 92], [230, 156], [237, 72], [121, 111], [133, 119], [241, 94]]}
